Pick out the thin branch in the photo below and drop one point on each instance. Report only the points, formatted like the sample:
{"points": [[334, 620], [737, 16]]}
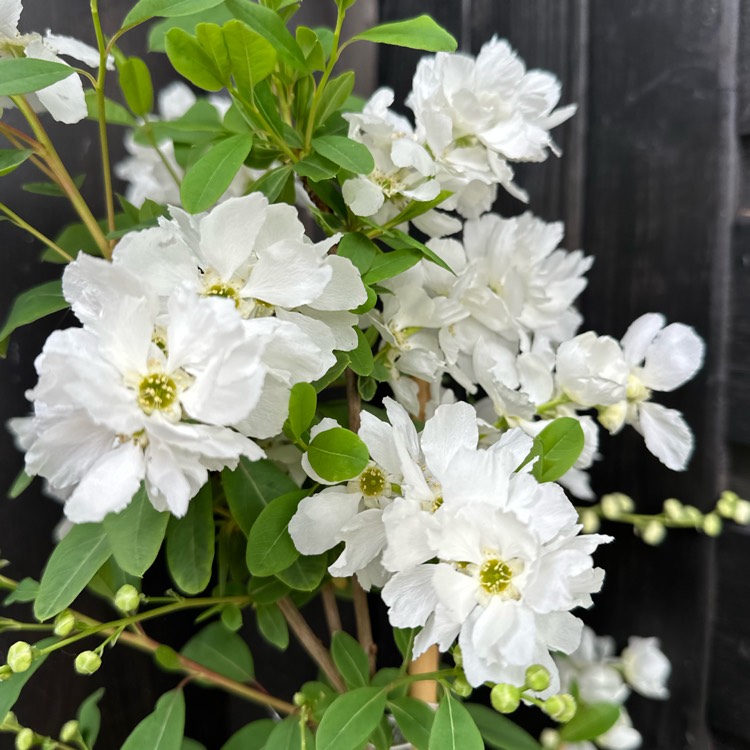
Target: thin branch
{"points": [[364, 624], [311, 643], [331, 609], [19, 222], [354, 400]]}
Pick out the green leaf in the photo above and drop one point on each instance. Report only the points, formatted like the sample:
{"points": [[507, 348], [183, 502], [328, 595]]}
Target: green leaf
{"points": [[20, 485], [335, 95], [252, 735], [210, 177], [253, 58], [251, 487], [231, 617], [272, 183], [316, 168], [164, 728], [388, 265], [590, 722], [221, 651], [270, 549], [334, 373], [32, 305], [10, 689], [211, 37], [382, 736], [90, 718], [361, 359], [352, 156], [26, 591], [453, 728], [12, 158], [498, 731], [286, 735], [414, 719], [73, 563], [266, 590], [360, 250], [188, 744], [350, 719], [191, 61], [269, 25], [350, 659], [24, 75], [415, 33], [190, 544], [337, 455], [367, 388], [311, 47], [272, 625], [110, 578], [404, 638], [418, 208], [114, 113], [136, 533], [303, 401], [146, 9], [562, 442], [403, 239], [305, 573], [167, 658], [157, 35], [136, 85]]}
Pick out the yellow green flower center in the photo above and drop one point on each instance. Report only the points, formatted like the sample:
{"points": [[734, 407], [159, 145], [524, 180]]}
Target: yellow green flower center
{"points": [[222, 289], [495, 576], [372, 482], [156, 392]]}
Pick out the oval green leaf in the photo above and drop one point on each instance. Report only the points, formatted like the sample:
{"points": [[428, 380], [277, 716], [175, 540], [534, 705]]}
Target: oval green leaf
{"points": [[453, 728], [252, 57], [590, 722], [350, 719], [421, 33], [499, 732], [337, 455], [146, 9], [414, 719], [164, 728], [350, 659], [24, 75], [352, 156], [270, 549], [305, 573], [561, 442], [252, 735], [136, 85], [222, 651], [272, 625], [11, 159], [191, 61], [303, 400]]}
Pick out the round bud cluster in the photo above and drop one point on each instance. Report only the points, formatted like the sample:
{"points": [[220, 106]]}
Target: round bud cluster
{"points": [[5, 673], [127, 599], [561, 707], [537, 678], [615, 504], [652, 532], [732, 507], [461, 687], [712, 524], [70, 731], [88, 662], [550, 739], [505, 698], [25, 739], [65, 623], [589, 519], [20, 657]]}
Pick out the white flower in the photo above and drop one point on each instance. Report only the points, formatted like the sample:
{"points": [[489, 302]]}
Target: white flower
{"points": [[646, 667], [659, 358], [621, 736], [476, 115], [64, 100]]}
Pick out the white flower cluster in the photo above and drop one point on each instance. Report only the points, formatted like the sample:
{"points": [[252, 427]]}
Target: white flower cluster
{"points": [[192, 339], [599, 676], [474, 117], [466, 547]]}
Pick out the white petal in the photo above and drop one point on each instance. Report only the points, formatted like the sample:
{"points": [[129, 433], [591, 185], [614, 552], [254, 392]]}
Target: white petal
{"points": [[673, 357], [70, 47], [410, 597], [64, 100], [378, 436], [667, 435], [10, 14], [317, 524], [452, 428], [365, 538], [639, 336], [363, 197], [345, 290]]}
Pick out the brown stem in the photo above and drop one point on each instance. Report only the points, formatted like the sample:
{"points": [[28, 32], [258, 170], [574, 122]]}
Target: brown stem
{"points": [[331, 609], [354, 400], [364, 624], [311, 643]]}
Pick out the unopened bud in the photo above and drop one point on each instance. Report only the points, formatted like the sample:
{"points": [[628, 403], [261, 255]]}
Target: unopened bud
{"points": [[458, 657], [727, 504], [712, 525], [299, 700], [610, 506], [590, 521], [654, 533], [561, 707], [127, 598], [88, 662], [693, 515], [741, 513], [70, 731], [550, 739], [5, 673], [20, 656], [537, 677], [461, 687], [612, 418], [673, 509], [25, 739], [64, 623], [505, 698]]}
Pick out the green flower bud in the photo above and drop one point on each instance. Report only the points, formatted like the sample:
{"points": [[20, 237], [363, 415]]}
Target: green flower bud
{"points": [[461, 687], [537, 677], [741, 514], [654, 533], [692, 514], [627, 505], [5, 673], [20, 656], [712, 524], [127, 599], [561, 707], [65, 622], [505, 698], [70, 731], [25, 739], [673, 509], [727, 504], [299, 700], [550, 739], [458, 657], [88, 662], [611, 506], [590, 521]]}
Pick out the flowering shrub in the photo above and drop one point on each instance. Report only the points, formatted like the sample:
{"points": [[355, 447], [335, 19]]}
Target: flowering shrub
{"points": [[310, 361]]}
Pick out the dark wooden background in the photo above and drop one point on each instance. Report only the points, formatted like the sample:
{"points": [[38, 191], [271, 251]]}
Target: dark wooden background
{"points": [[655, 183]]}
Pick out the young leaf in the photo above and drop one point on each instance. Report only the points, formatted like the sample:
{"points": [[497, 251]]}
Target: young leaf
{"points": [[361, 359], [26, 591], [337, 455], [350, 719], [89, 717], [32, 305], [305, 573], [190, 544], [251, 487], [272, 625], [164, 728], [499, 732], [402, 239], [20, 485], [415, 33], [311, 47], [146, 9], [266, 590], [136, 533], [231, 617], [453, 728], [109, 579], [350, 660], [269, 25], [590, 721], [387, 265], [562, 442], [253, 58], [270, 549], [336, 371], [252, 735], [360, 250], [211, 37], [352, 156], [191, 61], [316, 168], [210, 177], [24, 75], [404, 638], [136, 85], [73, 563], [286, 735], [221, 651], [114, 113], [414, 719], [12, 158], [303, 401], [273, 183], [336, 93]]}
